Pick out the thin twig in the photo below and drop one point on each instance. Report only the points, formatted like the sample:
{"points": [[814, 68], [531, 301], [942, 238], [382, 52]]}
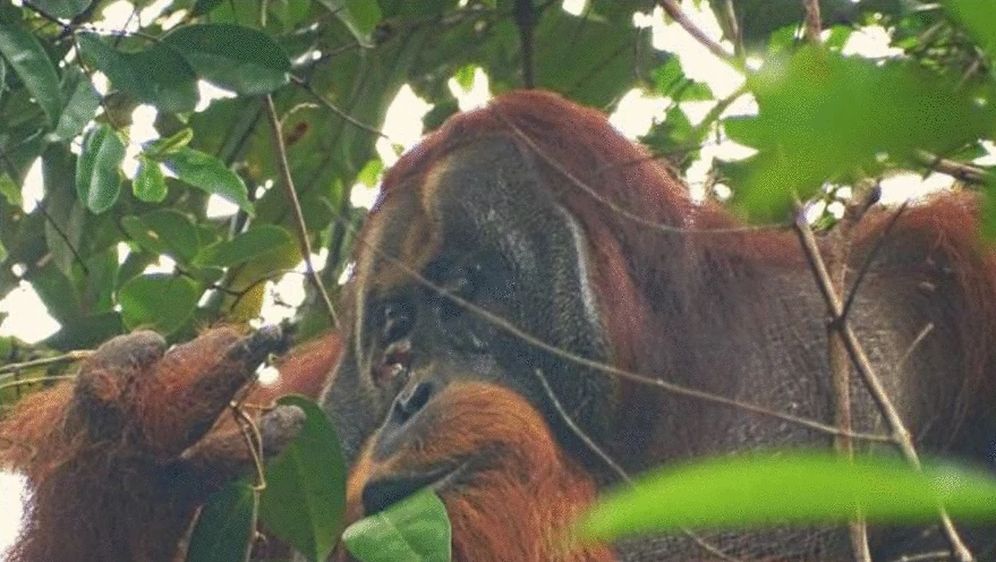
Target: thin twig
{"points": [[69, 356], [42, 208], [585, 439], [936, 555], [717, 110], [607, 459], [913, 345], [674, 11], [870, 258], [598, 197], [729, 14], [295, 204], [814, 24], [525, 19], [840, 369], [900, 433], [604, 368], [36, 380], [335, 109], [958, 170], [254, 443]]}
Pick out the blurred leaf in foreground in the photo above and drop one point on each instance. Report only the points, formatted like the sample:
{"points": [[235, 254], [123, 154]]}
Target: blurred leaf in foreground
{"points": [[789, 488]]}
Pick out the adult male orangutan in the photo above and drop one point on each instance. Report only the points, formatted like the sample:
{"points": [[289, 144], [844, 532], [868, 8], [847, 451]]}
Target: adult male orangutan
{"points": [[513, 254]]}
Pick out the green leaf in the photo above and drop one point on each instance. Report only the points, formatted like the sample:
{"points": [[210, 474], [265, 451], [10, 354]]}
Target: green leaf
{"points": [[360, 16], [10, 191], [159, 301], [224, 529], [826, 117], [158, 75], [464, 76], [164, 231], [98, 168], [989, 208], [3, 77], [587, 59], [305, 496], [980, 21], [206, 172], [79, 111], [172, 143], [370, 172], [233, 57], [149, 183], [416, 529], [26, 55], [65, 9], [793, 487], [204, 6], [670, 80], [3, 252], [250, 244]]}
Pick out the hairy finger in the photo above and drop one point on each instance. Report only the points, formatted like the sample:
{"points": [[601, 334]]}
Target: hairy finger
{"points": [[226, 454], [106, 379], [196, 381]]}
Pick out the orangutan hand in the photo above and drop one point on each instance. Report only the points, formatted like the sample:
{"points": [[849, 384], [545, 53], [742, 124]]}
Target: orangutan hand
{"points": [[123, 458]]}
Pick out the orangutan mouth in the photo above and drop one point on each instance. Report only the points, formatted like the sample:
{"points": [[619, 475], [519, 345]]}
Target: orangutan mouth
{"points": [[384, 492]]}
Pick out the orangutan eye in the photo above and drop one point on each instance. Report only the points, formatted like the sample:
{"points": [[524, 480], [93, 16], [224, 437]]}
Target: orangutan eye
{"points": [[462, 282], [397, 319]]}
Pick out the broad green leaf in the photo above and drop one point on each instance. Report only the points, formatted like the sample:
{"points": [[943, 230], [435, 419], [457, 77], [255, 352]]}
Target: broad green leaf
{"points": [[158, 75], [370, 172], [3, 252], [588, 59], [29, 60], [206, 172], [98, 168], [78, 112], [411, 10], [225, 527], [464, 76], [233, 57], [670, 80], [149, 183], [159, 301], [826, 117], [416, 529], [10, 191], [86, 332], [305, 495], [204, 6], [360, 16], [979, 19], [164, 231], [172, 143], [792, 487], [248, 245], [62, 8], [989, 208]]}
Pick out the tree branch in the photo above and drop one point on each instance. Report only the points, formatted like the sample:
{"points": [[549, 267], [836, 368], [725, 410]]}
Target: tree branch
{"points": [[525, 20], [900, 433], [672, 9], [291, 192], [814, 25]]}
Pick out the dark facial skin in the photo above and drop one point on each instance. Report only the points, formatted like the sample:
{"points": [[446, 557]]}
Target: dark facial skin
{"points": [[491, 240]]}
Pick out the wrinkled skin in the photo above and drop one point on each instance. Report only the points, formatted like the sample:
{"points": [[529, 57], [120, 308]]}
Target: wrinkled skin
{"points": [[504, 254]]}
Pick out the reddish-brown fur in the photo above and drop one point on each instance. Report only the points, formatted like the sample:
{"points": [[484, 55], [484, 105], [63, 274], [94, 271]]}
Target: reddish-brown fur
{"points": [[538, 487], [84, 507], [523, 498]]}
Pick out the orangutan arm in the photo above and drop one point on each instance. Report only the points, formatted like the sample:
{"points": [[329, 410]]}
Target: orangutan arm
{"points": [[119, 460]]}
